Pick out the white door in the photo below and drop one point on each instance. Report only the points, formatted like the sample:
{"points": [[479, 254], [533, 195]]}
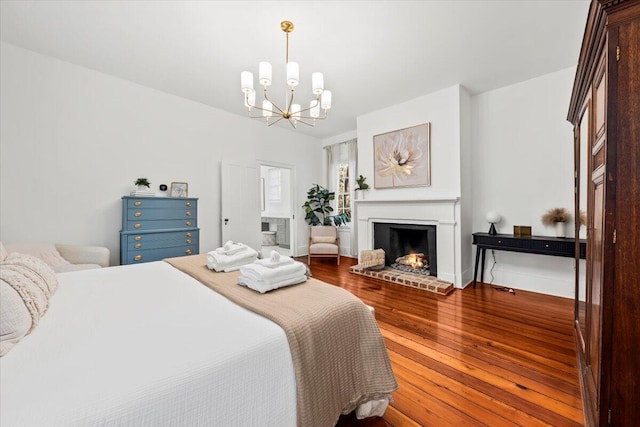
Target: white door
{"points": [[240, 204]]}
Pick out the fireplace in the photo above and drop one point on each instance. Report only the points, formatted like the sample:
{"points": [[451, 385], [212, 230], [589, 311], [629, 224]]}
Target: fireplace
{"points": [[402, 241]]}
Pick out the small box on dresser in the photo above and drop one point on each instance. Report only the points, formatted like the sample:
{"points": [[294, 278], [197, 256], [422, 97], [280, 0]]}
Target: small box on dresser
{"points": [[154, 228]]}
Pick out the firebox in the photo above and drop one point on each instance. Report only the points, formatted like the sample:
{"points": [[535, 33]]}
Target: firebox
{"points": [[403, 243]]}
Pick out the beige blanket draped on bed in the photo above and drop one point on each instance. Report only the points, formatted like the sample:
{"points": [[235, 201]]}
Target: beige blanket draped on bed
{"points": [[338, 353]]}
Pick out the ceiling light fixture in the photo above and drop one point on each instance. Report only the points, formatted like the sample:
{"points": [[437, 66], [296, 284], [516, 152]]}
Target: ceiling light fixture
{"points": [[291, 111]]}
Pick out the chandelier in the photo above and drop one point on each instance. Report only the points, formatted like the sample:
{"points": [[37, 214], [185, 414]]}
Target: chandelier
{"points": [[291, 110]]}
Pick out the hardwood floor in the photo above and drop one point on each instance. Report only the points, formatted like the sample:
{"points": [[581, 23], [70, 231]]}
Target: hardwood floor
{"points": [[479, 357]]}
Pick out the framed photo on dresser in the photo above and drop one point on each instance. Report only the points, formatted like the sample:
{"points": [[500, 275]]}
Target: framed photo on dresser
{"points": [[179, 189]]}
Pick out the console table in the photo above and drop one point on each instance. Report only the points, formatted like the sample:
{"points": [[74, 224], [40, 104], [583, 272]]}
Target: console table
{"points": [[541, 245]]}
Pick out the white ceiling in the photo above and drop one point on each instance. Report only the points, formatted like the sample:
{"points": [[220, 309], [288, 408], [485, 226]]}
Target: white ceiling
{"points": [[373, 53]]}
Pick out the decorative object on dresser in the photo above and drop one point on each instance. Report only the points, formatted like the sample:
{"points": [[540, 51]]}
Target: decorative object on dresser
{"points": [[154, 229], [522, 231], [402, 158], [179, 189], [604, 110], [143, 188], [557, 217], [493, 218]]}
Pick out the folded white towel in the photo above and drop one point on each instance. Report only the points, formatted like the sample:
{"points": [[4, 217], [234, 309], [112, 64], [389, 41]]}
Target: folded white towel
{"points": [[255, 271], [221, 262], [263, 287], [275, 260], [230, 248]]}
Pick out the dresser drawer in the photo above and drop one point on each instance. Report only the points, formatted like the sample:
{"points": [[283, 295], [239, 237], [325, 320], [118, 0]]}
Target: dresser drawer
{"points": [[162, 240], [160, 203], [156, 214], [554, 247], [160, 224], [140, 256], [497, 241]]}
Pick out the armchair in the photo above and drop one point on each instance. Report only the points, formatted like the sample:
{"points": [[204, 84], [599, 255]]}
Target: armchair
{"points": [[324, 243]]}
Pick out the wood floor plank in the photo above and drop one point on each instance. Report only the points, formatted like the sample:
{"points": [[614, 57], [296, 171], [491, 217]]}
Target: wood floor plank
{"points": [[476, 357]]}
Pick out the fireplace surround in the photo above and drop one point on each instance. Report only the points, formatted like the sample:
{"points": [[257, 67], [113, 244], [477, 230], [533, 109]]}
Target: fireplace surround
{"points": [[442, 213]]}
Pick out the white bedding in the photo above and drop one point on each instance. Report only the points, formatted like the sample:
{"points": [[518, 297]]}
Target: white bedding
{"points": [[146, 345]]}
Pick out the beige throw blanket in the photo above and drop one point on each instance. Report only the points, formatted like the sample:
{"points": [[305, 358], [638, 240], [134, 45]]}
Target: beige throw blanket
{"points": [[338, 353]]}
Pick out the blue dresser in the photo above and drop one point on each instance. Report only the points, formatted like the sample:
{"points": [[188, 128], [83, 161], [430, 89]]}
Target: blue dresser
{"points": [[154, 228]]}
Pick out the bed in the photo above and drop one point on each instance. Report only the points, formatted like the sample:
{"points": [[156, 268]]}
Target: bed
{"points": [[149, 345]]}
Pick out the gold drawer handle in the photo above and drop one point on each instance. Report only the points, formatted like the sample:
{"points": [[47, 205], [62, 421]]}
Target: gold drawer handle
{"points": [[138, 245], [137, 257], [189, 234], [188, 241], [137, 238], [188, 251], [188, 213], [137, 203], [188, 223], [137, 214], [137, 225], [188, 204]]}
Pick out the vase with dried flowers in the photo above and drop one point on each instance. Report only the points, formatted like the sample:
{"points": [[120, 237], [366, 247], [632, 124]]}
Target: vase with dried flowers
{"points": [[557, 217]]}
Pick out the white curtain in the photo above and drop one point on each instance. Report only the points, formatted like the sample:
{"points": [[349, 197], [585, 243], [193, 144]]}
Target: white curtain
{"points": [[352, 147], [333, 162]]}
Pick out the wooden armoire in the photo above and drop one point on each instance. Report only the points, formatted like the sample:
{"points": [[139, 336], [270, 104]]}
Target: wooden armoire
{"points": [[605, 112]]}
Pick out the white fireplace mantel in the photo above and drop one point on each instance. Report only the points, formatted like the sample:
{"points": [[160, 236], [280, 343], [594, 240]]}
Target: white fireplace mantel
{"points": [[443, 212]]}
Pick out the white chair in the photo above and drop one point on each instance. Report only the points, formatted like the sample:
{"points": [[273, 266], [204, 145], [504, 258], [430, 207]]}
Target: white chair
{"points": [[324, 243]]}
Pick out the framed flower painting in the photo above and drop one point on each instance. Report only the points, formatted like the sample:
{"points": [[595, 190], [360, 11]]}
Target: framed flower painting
{"points": [[402, 158]]}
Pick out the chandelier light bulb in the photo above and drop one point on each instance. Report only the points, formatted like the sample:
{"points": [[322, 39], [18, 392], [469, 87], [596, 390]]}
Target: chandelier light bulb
{"points": [[267, 108], [314, 108], [265, 71], [325, 100], [317, 83], [295, 111], [246, 81], [250, 99], [293, 73]]}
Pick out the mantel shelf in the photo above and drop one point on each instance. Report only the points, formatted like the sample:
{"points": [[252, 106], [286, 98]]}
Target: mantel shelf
{"points": [[444, 199]]}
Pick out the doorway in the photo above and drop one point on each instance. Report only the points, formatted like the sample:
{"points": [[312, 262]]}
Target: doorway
{"points": [[277, 222]]}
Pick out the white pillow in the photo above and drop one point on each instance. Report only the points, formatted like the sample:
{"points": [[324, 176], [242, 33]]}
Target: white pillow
{"points": [[47, 252], [26, 284], [15, 319]]}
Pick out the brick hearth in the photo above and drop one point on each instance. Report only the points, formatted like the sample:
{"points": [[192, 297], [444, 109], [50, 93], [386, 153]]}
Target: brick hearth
{"points": [[418, 281]]}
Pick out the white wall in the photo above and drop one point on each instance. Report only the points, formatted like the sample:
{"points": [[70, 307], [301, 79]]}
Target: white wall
{"points": [[522, 165], [73, 141]]}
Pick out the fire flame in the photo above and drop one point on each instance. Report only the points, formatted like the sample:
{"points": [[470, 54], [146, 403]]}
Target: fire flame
{"points": [[414, 261]]}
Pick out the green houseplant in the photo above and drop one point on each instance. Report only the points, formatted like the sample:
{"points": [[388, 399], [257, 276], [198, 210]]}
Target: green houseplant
{"points": [[362, 185], [318, 208], [142, 182]]}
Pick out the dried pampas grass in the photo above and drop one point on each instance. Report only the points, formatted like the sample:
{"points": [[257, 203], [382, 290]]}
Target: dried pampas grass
{"points": [[555, 215]]}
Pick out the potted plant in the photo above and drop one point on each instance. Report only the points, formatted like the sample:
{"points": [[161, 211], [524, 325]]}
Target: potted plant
{"points": [[142, 183], [362, 185], [318, 208], [557, 217]]}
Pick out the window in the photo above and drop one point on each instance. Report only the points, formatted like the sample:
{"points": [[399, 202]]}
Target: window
{"points": [[275, 185], [343, 195]]}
